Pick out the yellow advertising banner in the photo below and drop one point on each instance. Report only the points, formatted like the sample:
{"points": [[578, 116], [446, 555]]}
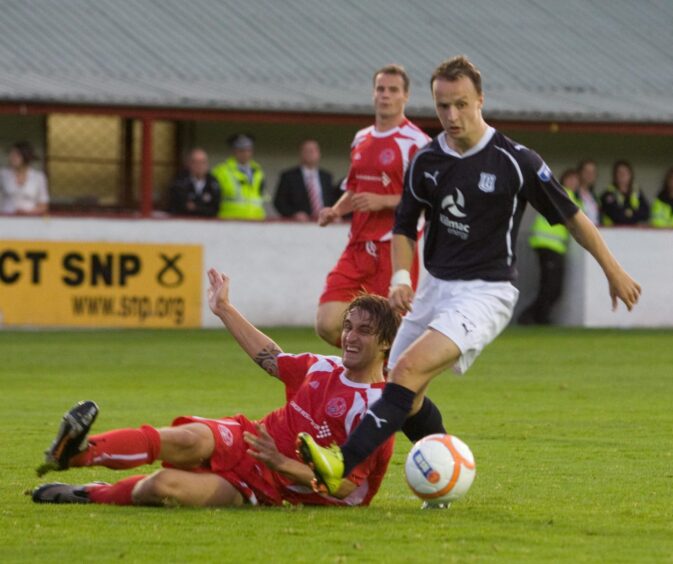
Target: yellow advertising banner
{"points": [[100, 284]]}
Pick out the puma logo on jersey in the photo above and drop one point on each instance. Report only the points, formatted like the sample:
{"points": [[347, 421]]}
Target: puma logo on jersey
{"points": [[377, 420], [453, 206], [432, 176]]}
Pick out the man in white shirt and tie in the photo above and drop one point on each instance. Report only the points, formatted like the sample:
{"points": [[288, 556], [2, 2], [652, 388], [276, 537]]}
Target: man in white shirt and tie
{"points": [[304, 190]]}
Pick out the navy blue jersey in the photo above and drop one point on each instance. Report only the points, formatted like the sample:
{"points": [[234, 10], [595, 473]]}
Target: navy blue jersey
{"points": [[473, 205]]}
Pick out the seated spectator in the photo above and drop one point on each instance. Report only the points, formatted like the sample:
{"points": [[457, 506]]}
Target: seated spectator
{"points": [[305, 189], [550, 243], [623, 203], [23, 190], [195, 191], [662, 208], [241, 180], [585, 191]]}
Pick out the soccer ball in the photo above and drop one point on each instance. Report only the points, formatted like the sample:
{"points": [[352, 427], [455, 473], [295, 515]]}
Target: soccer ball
{"points": [[440, 469]]}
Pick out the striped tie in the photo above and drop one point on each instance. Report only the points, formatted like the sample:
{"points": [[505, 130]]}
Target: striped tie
{"points": [[313, 194]]}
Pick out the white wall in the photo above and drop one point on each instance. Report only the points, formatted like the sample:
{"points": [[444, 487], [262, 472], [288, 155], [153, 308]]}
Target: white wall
{"points": [[278, 269], [647, 254]]}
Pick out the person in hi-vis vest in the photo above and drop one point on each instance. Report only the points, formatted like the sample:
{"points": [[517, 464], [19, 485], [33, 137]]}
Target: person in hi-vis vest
{"points": [[242, 181], [662, 208], [550, 243]]}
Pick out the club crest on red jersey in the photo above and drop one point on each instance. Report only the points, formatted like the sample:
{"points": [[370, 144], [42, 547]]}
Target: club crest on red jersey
{"points": [[336, 407], [386, 156], [226, 435]]}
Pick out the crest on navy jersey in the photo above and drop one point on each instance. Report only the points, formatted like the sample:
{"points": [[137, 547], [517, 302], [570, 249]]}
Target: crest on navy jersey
{"points": [[544, 173], [487, 182]]}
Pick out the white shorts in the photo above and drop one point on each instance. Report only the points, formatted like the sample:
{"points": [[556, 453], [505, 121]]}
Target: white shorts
{"points": [[469, 312]]}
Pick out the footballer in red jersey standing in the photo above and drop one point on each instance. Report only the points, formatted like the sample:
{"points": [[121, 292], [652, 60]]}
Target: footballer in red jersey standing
{"points": [[380, 155], [234, 461]]}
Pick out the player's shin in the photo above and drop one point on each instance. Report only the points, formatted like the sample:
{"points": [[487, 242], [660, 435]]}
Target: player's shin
{"points": [[119, 493], [121, 449], [383, 419], [427, 421]]}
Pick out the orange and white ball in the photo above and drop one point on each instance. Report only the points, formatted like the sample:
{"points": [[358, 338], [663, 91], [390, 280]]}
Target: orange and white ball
{"points": [[440, 468]]}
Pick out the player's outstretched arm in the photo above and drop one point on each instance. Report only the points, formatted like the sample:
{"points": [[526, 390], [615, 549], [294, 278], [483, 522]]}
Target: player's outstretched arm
{"points": [[337, 211], [401, 293], [263, 448], [371, 202], [261, 348], [621, 285]]}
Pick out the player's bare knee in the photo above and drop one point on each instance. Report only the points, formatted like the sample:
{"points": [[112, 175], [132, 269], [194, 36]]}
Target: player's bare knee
{"points": [[187, 442], [328, 331], [163, 488], [150, 490], [408, 373]]}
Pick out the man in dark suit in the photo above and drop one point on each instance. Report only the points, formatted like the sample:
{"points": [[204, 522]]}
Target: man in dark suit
{"points": [[195, 191], [304, 190]]}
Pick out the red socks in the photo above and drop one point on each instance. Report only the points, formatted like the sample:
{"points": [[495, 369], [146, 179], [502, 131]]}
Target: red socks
{"points": [[114, 494], [121, 449]]}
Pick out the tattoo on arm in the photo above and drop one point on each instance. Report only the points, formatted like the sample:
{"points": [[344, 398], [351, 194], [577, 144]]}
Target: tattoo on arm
{"points": [[266, 358]]}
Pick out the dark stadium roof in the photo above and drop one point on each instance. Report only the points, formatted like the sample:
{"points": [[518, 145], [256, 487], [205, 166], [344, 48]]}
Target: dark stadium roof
{"points": [[570, 60]]}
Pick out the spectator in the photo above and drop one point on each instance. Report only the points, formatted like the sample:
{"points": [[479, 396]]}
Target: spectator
{"points": [[586, 191], [242, 181], [195, 191], [305, 189], [550, 243], [662, 208], [23, 190], [623, 203]]}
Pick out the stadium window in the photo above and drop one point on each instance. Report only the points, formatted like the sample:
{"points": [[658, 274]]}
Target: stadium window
{"points": [[93, 162]]}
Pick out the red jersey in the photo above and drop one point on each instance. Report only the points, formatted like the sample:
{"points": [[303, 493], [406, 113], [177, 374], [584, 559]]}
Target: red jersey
{"points": [[378, 163], [323, 402]]}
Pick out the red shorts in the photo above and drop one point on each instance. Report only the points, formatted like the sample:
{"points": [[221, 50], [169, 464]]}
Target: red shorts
{"points": [[362, 267], [230, 460]]}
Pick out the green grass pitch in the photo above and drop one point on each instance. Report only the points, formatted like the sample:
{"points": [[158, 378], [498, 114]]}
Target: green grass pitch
{"points": [[572, 431]]}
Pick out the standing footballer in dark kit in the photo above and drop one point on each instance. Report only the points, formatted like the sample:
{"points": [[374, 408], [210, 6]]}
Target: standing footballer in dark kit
{"points": [[472, 183]]}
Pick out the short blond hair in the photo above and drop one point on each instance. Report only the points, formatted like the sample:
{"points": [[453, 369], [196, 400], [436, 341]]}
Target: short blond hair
{"points": [[394, 69], [455, 67]]}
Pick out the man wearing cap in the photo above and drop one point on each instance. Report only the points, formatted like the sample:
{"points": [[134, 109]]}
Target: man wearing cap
{"points": [[242, 181]]}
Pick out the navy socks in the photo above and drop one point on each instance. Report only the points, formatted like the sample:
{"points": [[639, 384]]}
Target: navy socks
{"points": [[383, 419]]}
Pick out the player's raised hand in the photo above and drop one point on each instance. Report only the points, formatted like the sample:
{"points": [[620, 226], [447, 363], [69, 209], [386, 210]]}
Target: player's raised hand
{"points": [[218, 292], [400, 298], [263, 447], [327, 216], [624, 288]]}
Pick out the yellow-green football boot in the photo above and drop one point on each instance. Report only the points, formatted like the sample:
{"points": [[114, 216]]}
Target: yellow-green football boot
{"points": [[327, 463]]}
